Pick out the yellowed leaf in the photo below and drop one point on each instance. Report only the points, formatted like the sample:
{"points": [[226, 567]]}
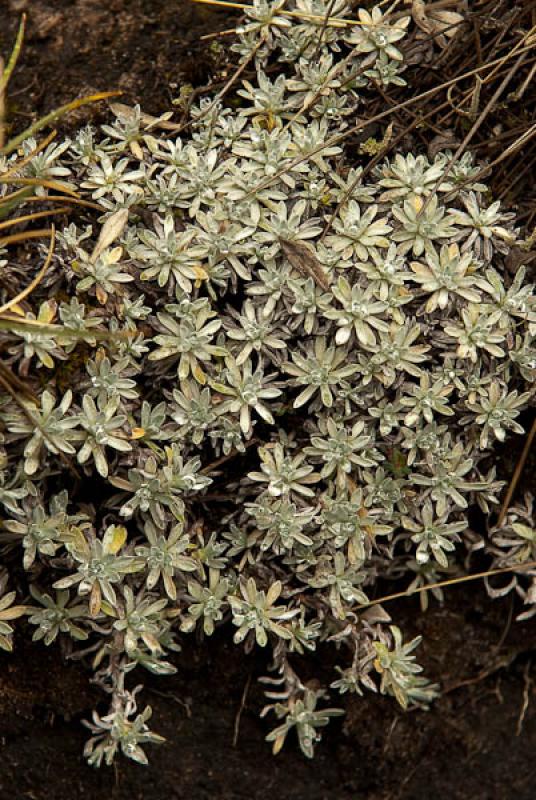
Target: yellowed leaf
{"points": [[418, 203], [114, 539], [199, 375], [200, 273], [47, 312], [107, 609]]}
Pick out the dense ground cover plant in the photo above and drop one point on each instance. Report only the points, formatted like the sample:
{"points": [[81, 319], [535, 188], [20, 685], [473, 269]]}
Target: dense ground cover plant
{"points": [[277, 381]]}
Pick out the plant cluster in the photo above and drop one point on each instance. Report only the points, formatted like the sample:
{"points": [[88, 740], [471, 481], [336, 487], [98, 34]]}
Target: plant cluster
{"points": [[265, 381]]}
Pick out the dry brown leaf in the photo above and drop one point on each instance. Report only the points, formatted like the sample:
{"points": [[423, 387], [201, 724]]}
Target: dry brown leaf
{"points": [[302, 258]]}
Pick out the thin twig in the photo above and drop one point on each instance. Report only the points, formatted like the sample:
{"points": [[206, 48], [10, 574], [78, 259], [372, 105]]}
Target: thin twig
{"points": [[510, 150], [526, 697], [221, 94], [327, 16], [450, 582], [516, 476], [501, 663], [507, 626], [519, 175], [474, 128], [337, 138], [338, 22], [18, 165], [223, 459], [240, 710], [16, 382], [518, 94]]}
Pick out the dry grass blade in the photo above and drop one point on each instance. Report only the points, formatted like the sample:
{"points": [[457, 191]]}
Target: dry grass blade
{"points": [[526, 83], [13, 199], [18, 165], [8, 71], [16, 238], [48, 119], [20, 325], [24, 196], [49, 198], [2, 108], [36, 281], [32, 217], [56, 186], [217, 34]]}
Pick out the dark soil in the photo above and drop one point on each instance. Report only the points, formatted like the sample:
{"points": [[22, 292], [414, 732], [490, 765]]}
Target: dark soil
{"points": [[478, 740], [147, 49]]}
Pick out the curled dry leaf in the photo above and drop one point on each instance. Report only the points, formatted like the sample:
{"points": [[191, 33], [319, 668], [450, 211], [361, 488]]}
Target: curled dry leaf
{"points": [[440, 23]]}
